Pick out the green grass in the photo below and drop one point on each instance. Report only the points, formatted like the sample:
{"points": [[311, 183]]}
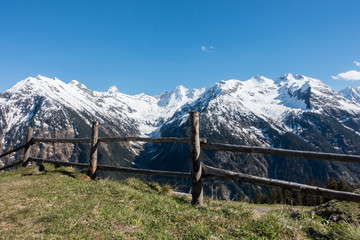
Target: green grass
{"points": [[62, 203]]}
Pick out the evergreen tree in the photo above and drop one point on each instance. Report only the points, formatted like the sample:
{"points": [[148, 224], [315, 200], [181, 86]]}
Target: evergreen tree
{"points": [[259, 198], [332, 184], [342, 186], [299, 198]]}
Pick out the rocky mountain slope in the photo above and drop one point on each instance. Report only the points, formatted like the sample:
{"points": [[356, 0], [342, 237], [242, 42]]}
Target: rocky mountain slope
{"points": [[293, 111], [352, 94]]}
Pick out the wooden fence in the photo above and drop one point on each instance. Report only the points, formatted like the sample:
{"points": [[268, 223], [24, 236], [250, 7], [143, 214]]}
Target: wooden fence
{"points": [[199, 171]]}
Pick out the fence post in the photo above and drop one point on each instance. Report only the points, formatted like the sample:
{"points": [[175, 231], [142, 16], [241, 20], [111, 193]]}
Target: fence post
{"points": [[195, 165], [93, 150], [28, 147]]}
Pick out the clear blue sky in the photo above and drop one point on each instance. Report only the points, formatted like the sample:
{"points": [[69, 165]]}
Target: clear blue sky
{"points": [[153, 46]]}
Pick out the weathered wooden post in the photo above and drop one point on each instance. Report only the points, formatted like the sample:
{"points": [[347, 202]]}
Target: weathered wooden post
{"points": [[28, 147], [93, 150], [195, 165]]}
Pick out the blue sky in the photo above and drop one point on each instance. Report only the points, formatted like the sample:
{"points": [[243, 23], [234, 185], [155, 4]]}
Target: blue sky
{"points": [[154, 46]]}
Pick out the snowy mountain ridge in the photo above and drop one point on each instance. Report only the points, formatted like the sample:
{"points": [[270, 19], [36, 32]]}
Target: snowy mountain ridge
{"points": [[266, 98], [352, 94], [146, 110]]}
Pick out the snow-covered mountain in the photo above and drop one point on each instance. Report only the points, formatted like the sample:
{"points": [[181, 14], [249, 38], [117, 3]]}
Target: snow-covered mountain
{"points": [[54, 95], [53, 107], [352, 94], [292, 111]]}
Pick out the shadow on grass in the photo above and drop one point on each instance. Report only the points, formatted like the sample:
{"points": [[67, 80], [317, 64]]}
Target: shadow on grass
{"points": [[182, 199], [41, 170], [36, 171], [67, 173], [33, 174]]}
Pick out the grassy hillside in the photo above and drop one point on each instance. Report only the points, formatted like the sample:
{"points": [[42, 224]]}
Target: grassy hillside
{"points": [[61, 203]]}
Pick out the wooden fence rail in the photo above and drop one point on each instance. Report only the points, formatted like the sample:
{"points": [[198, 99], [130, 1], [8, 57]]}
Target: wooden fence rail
{"points": [[268, 182], [13, 150], [199, 171], [61, 140], [283, 152], [114, 169], [11, 165], [113, 139]]}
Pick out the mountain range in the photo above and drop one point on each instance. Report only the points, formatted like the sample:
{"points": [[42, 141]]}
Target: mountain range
{"points": [[292, 112]]}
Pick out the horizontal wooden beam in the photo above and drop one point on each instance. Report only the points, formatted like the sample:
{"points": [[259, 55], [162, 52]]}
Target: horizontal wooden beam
{"points": [[114, 169], [283, 152], [61, 140], [142, 171], [111, 139], [142, 139], [14, 150], [11, 165], [268, 182]]}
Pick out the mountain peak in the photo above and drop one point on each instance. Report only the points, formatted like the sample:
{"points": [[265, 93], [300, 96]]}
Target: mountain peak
{"points": [[260, 78], [32, 84], [43, 78], [296, 81], [290, 76], [74, 82], [40, 77], [353, 94], [77, 84], [181, 87], [113, 90]]}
